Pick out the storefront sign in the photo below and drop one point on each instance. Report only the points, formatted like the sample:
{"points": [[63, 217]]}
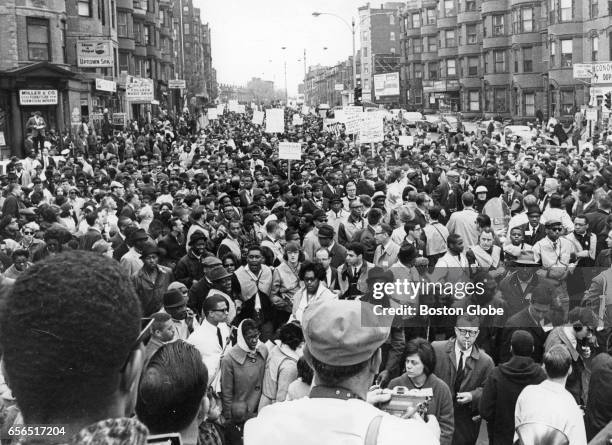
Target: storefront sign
{"points": [[38, 97], [386, 84], [106, 85], [138, 89], [591, 114], [119, 119], [177, 84], [95, 53], [602, 73], [582, 70], [338, 87]]}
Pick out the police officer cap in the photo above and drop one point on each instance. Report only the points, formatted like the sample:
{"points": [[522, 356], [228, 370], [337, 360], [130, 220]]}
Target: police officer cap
{"points": [[337, 332]]}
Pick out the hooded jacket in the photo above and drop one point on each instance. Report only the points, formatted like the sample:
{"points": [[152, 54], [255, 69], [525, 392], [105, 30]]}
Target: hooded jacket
{"points": [[500, 392]]}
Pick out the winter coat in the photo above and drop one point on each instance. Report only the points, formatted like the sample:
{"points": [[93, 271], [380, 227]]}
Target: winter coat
{"points": [[441, 405], [281, 370], [241, 382], [500, 392], [599, 405]]}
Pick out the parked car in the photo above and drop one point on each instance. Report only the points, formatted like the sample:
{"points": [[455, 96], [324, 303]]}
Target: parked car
{"points": [[412, 118], [450, 123], [431, 122], [522, 131]]}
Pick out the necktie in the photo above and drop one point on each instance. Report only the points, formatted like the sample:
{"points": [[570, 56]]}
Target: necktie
{"points": [[460, 373], [219, 337]]}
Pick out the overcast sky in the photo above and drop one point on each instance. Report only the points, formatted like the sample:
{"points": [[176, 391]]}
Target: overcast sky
{"points": [[247, 37]]}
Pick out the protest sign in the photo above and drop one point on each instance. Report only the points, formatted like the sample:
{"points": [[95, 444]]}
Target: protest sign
{"points": [[212, 113], [406, 141], [290, 150], [371, 128], [352, 119], [275, 120], [258, 117]]}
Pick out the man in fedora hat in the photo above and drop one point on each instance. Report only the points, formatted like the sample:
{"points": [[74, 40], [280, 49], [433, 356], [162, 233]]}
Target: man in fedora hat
{"points": [[221, 281], [199, 290], [152, 280], [345, 355], [131, 262], [189, 268], [183, 319], [36, 125]]}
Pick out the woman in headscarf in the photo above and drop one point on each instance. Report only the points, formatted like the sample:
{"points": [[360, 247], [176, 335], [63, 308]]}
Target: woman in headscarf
{"points": [[286, 282], [242, 372], [281, 367]]}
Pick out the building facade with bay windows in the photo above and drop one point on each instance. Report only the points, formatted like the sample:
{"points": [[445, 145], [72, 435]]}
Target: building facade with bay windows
{"points": [[506, 58]]}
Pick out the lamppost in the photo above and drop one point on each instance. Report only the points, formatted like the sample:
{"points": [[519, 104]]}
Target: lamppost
{"points": [[351, 27], [285, 57]]}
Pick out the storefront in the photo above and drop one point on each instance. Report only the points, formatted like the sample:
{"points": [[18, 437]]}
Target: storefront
{"points": [[43, 87]]}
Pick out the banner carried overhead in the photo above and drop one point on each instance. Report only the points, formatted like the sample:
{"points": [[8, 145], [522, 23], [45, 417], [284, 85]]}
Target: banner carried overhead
{"points": [[386, 84], [94, 53]]}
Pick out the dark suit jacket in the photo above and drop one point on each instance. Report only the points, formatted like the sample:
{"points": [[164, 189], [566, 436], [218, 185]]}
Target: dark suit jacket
{"points": [[334, 285], [535, 237], [11, 206], [116, 241], [513, 294], [121, 250], [422, 187], [244, 200], [581, 210], [446, 200], [598, 225], [337, 255], [523, 321], [89, 239], [174, 250]]}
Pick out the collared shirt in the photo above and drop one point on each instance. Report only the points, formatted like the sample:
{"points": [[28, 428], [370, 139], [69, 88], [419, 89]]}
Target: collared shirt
{"points": [[551, 253], [458, 352]]}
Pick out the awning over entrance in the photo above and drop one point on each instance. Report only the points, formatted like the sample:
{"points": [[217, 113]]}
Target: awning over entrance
{"points": [[39, 69]]}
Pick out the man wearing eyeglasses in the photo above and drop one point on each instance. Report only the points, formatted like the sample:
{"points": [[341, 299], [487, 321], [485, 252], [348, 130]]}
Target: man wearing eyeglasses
{"points": [[464, 368], [555, 253]]}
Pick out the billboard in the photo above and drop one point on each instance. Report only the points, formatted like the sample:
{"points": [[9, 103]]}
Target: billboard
{"points": [[386, 84], [94, 53], [138, 89]]}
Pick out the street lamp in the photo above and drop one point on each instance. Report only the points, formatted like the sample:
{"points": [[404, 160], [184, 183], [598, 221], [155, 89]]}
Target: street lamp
{"points": [[285, 57], [351, 27]]}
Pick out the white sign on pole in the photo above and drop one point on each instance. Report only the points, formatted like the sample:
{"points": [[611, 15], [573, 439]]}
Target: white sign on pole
{"points": [[240, 109], [290, 150], [386, 84], [275, 120], [297, 120], [258, 117], [233, 106], [138, 89], [212, 113], [95, 53], [327, 123], [338, 87], [582, 70], [177, 84], [106, 85], [38, 97], [220, 109], [372, 128], [406, 141], [352, 119], [591, 114]]}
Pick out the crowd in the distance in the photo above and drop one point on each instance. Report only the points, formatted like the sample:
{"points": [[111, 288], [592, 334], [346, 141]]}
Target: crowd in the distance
{"points": [[229, 250]]}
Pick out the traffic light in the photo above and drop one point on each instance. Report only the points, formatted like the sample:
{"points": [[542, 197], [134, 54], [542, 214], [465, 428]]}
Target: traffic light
{"points": [[358, 99], [608, 101]]}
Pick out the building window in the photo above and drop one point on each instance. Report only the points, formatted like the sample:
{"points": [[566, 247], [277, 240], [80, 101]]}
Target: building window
{"points": [[186, 29], [151, 5], [38, 39], [147, 35], [112, 11], [450, 38], [566, 10], [593, 9], [416, 20], [567, 102], [527, 20], [566, 52], [553, 53], [418, 46], [529, 104], [470, 5], [392, 50], [528, 59], [392, 36], [515, 56], [472, 66], [431, 16], [418, 96], [122, 24], [516, 21], [365, 52], [449, 8], [124, 62], [433, 71], [485, 62], [418, 71], [451, 67], [84, 7], [499, 59], [472, 34], [500, 100], [64, 53], [433, 47], [594, 48], [392, 20], [474, 100], [366, 69], [102, 12], [498, 25]]}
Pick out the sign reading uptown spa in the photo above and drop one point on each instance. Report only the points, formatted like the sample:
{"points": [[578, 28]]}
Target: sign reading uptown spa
{"points": [[94, 53], [38, 97]]}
